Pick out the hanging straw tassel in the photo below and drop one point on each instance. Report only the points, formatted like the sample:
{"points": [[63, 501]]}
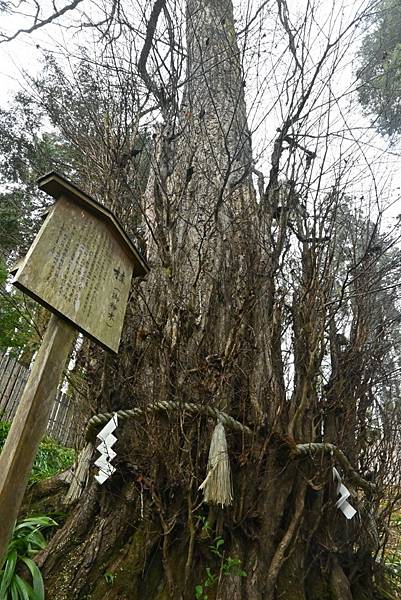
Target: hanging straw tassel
{"points": [[217, 487], [81, 474]]}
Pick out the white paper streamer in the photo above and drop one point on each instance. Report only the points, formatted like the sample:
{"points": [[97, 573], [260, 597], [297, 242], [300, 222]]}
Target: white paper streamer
{"points": [[107, 440], [342, 503]]}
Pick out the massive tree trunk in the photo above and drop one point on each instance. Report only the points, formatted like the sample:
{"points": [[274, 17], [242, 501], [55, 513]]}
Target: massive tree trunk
{"points": [[206, 327]]}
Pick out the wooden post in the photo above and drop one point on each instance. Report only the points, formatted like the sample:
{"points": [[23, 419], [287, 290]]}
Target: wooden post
{"points": [[30, 421]]}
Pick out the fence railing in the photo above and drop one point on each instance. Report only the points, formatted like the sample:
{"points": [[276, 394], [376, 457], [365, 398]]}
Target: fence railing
{"points": [[13, 377]]}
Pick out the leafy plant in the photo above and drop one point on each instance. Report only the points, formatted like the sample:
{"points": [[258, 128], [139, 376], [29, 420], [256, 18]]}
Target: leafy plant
{"points": [[4, 429], [228, 566], [109, 577], [15, 321], [380, 67], [392, 559], [50, 459], [26, 541]]}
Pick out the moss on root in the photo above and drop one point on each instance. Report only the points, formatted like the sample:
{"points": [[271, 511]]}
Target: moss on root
{"points": [[137, 571], [120, 577]]}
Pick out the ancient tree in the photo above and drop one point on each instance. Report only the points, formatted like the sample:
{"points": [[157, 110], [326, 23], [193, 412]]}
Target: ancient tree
{"points": [[270, 299]]}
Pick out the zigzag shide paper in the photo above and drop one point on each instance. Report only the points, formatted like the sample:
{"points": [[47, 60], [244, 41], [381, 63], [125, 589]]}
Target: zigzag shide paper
{"points": [[342, 503], [107, 441]]}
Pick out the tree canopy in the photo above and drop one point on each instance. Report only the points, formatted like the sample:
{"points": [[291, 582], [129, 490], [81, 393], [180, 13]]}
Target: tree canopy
{"points": [[380, 69]]}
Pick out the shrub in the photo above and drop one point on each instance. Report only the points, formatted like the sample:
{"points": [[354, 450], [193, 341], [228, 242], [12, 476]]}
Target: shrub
{"points": [[52, 457], [26, 541]]}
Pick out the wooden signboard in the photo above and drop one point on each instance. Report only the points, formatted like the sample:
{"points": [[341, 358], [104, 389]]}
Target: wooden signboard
{"points": [[81, 264], [80, 267]]}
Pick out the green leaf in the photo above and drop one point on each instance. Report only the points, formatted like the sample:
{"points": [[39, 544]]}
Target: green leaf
{"points": [[25, 590], [109, 577], [52, 458], [8, 573], [36, 540], [37, 580], [198, 592], [34, 522], [211, 577], [14, 591]]}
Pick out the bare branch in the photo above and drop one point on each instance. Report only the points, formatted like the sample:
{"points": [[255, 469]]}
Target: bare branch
{"points": [[38, 23]]}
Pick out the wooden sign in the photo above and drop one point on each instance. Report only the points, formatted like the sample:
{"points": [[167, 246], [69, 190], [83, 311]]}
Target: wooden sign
{"points": [[81, 264], [80, 267]]}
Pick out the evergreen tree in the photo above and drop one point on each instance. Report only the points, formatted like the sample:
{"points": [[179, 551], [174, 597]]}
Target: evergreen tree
{"points": [[380, 67]]}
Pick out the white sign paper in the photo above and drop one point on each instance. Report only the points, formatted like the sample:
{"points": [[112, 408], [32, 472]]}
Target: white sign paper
{"points": [[107, 440], [342, 503]]}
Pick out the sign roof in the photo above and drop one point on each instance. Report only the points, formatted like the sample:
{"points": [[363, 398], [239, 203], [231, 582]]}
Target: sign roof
{"points": [[56, 185]]}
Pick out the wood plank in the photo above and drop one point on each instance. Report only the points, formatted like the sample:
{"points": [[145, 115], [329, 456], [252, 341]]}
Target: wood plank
{"points": [[19, 387], [9, 367], [3, 360], [30, 423], [9, 390], [64, 426], [69, 433], [52, 422], [61, 414]]}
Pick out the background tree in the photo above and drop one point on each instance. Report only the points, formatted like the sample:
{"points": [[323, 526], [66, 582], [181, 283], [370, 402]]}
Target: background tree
{"points": [[26, 150], [380, 68]]}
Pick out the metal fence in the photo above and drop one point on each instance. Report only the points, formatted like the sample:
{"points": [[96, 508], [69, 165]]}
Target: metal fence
{"points": [[13, 377]]}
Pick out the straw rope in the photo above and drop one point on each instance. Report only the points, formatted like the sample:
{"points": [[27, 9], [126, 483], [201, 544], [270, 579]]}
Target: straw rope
{"points": [[312, 448], [167, 406], [192, 408]]}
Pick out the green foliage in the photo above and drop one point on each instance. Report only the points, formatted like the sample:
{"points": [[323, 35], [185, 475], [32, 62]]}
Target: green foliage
{"points": [[15, 321], [392, 560], [393, 564], [228, 566], [109, 577], [25, 154], [380, 70], [393, 571], [10, 223], [4, 429], [26, 541], [52, 458]]}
